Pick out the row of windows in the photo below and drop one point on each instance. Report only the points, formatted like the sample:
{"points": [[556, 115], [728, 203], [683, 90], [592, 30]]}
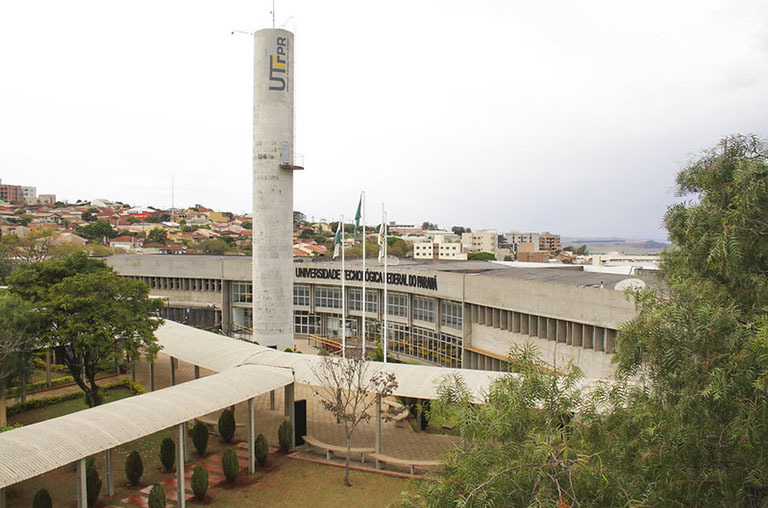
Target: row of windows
{"points": [[424, 309], [306, 323], [441, 349], [181, 284]]}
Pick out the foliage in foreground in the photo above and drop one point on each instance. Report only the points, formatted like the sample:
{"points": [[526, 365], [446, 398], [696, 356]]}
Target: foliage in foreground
{"points": [[42, 499], [261, 450], [200, 437], [167, 454], [227, 425], [156, 496], [686, 421]]}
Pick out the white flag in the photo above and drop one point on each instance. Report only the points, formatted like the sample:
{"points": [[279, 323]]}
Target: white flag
{"points": [[380, 241]]}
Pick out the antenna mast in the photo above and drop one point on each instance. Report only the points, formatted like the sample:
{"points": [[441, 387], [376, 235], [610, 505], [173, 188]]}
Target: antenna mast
{"points": [[273, 14]]}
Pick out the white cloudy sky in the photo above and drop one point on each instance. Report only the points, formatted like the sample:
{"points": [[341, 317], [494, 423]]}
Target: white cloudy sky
{"points": [[560, 115]]}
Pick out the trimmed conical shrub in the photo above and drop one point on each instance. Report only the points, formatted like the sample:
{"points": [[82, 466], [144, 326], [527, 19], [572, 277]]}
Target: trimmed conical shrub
{"points": [[168, 454], [230, 465], [261, 449], [42, 499], [199, 482], [284, 435], [93, 485], [227, 425], [200, 437], [134, 468], [156, 497]]}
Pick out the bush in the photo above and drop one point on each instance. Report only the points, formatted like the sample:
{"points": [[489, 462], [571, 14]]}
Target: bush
{"points": [[199, 482], [284, 435], [156, 497], [168, 454], [261, 449], [93, 484], [227, 425], [42, 499], [200, 437], [230, 465], [134, 468]]}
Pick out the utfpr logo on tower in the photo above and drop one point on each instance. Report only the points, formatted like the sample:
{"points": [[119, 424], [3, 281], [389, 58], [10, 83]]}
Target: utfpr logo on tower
{"points": [[278, 65]]}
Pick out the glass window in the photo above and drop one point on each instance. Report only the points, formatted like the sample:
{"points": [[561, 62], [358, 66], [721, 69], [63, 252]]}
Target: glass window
{"points": [[371, 300], [242, 292], [306, 323], [397, 304], [450, 314], [328, 296], [301, 295], [424, 309]]}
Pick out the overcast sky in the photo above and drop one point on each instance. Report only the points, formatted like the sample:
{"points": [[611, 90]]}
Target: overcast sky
{"points": [[559, 115]]}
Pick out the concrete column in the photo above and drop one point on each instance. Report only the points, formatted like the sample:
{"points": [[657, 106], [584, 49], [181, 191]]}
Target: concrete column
{"points": [[378, 423], [110, 476], [82, 492], [289, 396], [251, 439], [287, 403], [271, 400], [133, 371], [151, 376], [186, 442], [197, 372], [48, 368], [173, 372], [180, 489], [226, 306]]}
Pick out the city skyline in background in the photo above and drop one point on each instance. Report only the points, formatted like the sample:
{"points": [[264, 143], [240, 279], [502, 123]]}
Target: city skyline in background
{"points": [[568, 118]]}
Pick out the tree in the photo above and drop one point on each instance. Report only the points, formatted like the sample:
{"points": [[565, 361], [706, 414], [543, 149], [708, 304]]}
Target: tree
{"points": [[97, 314], [346, 388], [429, 226], [96, 231], [19, 322], [299, 217], [247, 225], [132, 220], [520, 447], [157, 235], [459, 230], [215, 247], [702, 349], [481, 256]]}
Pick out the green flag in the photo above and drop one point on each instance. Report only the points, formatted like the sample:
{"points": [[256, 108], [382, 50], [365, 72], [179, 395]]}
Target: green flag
{"points": [[337, 241], [357, 215]]}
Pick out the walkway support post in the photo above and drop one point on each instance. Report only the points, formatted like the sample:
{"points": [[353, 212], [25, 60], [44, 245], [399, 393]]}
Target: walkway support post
{"points": [[82, 491], [378, 423], [251, 439], [271, 400], [48, 368], [286, 404], [181, 502], [110, 476], [197, 372], [151, 376], [173, 372], [291, 411]]}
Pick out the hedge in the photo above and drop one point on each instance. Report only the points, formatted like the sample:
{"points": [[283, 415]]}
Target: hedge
{"points": [[36, 403], [37, 385]]}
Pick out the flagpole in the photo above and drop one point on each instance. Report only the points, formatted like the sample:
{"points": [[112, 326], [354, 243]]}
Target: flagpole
{"points": [[362, 355], [386, 330], [343, 297]]}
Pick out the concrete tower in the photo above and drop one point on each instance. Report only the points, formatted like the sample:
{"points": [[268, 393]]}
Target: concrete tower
{"points": [[273, 188]]}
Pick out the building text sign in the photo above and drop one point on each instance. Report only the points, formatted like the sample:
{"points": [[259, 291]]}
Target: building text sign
{"points": [[393, 279]]}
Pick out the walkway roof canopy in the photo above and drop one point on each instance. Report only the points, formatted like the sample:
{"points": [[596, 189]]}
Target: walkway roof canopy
{"points": [[217, 352], [41, 447]]}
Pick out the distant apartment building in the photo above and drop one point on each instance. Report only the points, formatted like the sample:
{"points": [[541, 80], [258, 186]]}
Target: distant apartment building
{"points": [[516, 237], [404, 229], [548, 241], [539, 256], [438, 248], [486, 240], [42, 199], [11, 193]]}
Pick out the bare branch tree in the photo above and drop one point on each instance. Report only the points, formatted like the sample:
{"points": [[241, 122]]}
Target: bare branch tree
{"points": [[347, 389]]}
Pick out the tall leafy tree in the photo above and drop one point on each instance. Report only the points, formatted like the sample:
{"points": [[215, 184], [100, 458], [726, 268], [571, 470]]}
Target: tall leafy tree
{"points": [[95, 314]]}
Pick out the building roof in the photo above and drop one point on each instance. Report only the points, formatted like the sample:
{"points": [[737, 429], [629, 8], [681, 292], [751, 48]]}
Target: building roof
{"points": [[41, 447]]}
